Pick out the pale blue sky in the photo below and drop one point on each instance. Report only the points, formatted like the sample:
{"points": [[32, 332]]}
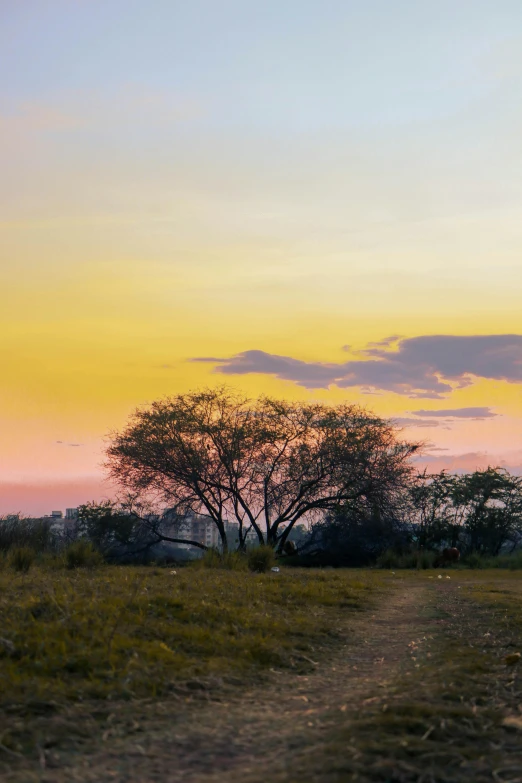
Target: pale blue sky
{"points": [[290, 66]]}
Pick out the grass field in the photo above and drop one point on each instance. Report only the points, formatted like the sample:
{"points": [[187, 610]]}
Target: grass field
{"points": [[122, 634], [119, 673], [453, 712]]}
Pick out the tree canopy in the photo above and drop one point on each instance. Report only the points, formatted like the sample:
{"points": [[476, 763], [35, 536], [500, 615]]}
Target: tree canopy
{"points": [[480, 511], [265, 464]]}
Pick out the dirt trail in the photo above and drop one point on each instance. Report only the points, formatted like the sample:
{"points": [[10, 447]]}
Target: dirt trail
{"points": [[251, 736]]}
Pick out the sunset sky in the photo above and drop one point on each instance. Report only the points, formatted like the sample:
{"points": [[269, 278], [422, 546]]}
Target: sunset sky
{"points": [[316, 199]]}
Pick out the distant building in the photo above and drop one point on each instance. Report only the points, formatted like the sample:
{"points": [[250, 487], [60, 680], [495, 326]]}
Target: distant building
{"points": [[232, 534], [56, 514], [203, 529], [195, 527], [71, 513]]}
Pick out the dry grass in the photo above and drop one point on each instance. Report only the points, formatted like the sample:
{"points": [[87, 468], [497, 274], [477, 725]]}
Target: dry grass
{"points": [[444, 721], [115, 633], [156, 639]]}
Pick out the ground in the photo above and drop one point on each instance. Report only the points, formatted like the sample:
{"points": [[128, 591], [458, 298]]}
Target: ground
{"points": [[419, 683]]}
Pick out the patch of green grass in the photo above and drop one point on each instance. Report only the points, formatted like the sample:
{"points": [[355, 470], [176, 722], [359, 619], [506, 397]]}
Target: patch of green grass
{"points": [[130, 632], [78, 639]]}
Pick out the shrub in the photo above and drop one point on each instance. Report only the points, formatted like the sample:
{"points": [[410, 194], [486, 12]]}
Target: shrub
{"points": [[21, 558], [392, 559], [36, 534], [513, 561], [475, 560], [427, 559], [82, 554], [387, 559], [261, 559], [229, 561]]}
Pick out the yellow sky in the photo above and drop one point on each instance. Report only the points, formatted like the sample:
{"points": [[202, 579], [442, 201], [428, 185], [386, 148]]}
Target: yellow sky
{"points": [[193, 197]]}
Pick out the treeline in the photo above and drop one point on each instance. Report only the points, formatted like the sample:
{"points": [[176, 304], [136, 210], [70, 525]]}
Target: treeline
{"points": [[480, 513], [268, 466]]}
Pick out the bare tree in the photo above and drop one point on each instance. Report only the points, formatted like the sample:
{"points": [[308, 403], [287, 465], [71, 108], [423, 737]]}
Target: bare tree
{"points": [[266, 463]]}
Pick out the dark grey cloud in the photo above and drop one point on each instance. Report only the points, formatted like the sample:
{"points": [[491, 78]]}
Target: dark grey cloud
{"points": [[404, 421], [458, 413], [420, 367], [313, 375], [69, 444]]}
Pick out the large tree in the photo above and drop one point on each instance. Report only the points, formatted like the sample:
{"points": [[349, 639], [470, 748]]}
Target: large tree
{"points": [[436, 513], [493, 502], [266, 464], [479, 511]]}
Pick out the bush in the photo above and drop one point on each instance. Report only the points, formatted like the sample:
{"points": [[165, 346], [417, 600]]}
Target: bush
{"points": [[513, 561], [475, 560], [392, 559], [261, 559], [387, 559], [82, 554], [229, 561], [427, 560], [21, 558], [17, 532]]}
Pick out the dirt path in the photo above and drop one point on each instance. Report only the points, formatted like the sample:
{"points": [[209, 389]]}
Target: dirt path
{"points": [[252, 736]]}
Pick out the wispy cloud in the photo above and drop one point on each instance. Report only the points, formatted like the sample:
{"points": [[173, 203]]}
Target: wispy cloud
{"points": [[430, 366], [405, 421], [476, 413]]}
